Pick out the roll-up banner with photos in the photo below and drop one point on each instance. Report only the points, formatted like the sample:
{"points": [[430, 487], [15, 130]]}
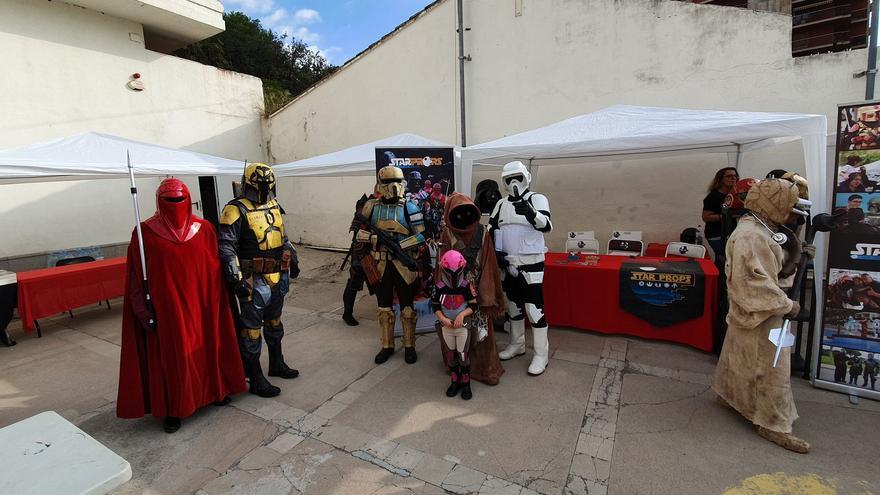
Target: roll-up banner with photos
{"points": [[429, 177], [849, 350]]}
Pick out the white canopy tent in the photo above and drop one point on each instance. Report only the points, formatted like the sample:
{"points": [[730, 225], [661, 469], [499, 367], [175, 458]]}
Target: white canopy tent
{"points": [[356, 160], [92, 155], [624, 132]]}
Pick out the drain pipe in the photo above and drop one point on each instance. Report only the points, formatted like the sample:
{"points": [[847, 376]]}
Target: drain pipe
{"points": [[461, 59], [871, 73]]}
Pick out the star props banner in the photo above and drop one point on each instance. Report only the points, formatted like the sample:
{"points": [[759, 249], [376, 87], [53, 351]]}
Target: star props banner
{"points": [[662, 293]]}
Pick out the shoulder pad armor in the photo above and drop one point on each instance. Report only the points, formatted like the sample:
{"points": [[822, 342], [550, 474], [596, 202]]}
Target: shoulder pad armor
{"points": [[231, 214]]}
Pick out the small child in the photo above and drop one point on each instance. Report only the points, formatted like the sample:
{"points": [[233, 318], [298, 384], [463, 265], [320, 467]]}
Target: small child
{"points": [[454, 300]]}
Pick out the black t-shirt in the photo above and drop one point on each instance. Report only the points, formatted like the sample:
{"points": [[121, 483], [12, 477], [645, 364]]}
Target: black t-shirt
{"points": [[713, 202]]}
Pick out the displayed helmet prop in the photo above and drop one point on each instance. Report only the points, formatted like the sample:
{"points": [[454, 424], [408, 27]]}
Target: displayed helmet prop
{"points": [[735, 199], [258, 183], [389, 182], [452, 268], [516, 178], [487, 195]]}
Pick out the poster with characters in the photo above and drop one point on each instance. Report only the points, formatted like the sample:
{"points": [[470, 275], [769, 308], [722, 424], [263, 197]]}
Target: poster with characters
{"points": [[849, 340], [429, 178]]}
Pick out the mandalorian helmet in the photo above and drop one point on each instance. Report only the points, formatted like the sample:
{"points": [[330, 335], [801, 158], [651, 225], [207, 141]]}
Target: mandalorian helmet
{"points": [[258, 183], [874, 205], [389, 182], [516, 178]]}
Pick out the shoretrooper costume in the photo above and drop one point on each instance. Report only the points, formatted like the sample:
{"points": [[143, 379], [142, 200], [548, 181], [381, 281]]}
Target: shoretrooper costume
{"points": [[258, 262], [394, 231]]}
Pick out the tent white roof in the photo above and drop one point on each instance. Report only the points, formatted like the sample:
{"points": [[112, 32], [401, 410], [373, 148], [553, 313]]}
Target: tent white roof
{"points": [[631, 131], [357, 160], [92, 155]]}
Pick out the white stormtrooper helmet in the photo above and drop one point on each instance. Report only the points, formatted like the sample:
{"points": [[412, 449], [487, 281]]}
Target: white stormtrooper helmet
{"points": [[516, 178]]}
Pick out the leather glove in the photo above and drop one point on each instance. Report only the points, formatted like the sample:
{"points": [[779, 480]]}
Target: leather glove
{"points": [[809, 251], [242, 289], [294, 266], [366, 236], [795, 309], [524, 208], [502, 259], [147, 320]]}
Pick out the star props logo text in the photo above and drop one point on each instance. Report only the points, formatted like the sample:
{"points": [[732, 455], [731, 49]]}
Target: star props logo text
{"points": [[865, 251], [417, 162]]}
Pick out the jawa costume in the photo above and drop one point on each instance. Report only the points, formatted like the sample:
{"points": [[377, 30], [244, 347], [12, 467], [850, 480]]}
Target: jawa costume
{"points": [[356, 276], [454, 300], [745, 378], [394, 231], [258, 262], [465, 234], [518, 224], [180, 354]]}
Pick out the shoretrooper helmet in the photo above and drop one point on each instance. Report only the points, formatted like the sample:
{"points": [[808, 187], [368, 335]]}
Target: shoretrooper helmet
{"points": [[258, 182], [390, 182]]}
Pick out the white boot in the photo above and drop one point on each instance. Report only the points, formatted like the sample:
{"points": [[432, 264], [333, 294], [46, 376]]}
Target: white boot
{"points": [[542, 351], [517, 345]]}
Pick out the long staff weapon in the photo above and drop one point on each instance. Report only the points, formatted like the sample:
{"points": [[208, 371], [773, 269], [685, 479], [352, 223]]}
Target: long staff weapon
{"points": [[140, 238]]}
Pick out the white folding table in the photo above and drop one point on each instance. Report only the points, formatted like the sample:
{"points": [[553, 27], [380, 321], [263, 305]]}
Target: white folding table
{"points": [[47, 455]]}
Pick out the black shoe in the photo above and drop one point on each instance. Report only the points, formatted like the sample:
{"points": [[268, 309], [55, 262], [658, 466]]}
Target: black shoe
{"points": [[384, 354], [466, 393], [258, 383], [348, 318], [466, 383], [277, 366], [260, 386], [172, 424], [410, 355], [452, 391], [225, 402]]}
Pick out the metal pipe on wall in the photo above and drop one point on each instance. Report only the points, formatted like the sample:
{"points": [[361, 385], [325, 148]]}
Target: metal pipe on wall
{"points": [[871, 73], [461, 59]]}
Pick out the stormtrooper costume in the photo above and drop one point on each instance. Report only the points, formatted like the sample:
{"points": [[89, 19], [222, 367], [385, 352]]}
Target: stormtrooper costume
{"points": [[518, 224]]}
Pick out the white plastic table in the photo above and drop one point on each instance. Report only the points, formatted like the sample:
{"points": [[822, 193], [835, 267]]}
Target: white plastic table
{"points": [[46, 455]]}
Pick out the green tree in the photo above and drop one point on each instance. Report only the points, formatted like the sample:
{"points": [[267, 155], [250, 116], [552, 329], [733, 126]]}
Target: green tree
{"points": [[287, 66]]}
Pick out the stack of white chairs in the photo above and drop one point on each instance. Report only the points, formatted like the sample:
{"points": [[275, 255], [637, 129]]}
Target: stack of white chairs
{"points": [[626, 243], [686, 250], [582, 242]]}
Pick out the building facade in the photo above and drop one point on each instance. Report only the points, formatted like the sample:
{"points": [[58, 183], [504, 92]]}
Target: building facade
{"points": [[67, 68], [535, 62]]}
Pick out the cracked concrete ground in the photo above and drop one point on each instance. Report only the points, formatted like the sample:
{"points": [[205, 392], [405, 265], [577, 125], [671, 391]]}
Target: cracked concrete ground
{"points": [[611, 415]]}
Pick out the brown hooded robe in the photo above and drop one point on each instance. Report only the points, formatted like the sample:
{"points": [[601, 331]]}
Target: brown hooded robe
{"points": [[745, 376], [485, 365]]}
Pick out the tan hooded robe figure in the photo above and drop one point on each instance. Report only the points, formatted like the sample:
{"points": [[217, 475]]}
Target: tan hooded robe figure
{"points": [[745, 377]]}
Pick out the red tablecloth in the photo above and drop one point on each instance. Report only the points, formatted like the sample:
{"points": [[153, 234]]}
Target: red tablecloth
{"points": [[587, 297], [50, 291]]}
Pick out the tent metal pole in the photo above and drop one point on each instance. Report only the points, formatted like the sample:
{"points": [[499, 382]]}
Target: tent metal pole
{"points": [[871, 73], [461, 59], [738, 158]]}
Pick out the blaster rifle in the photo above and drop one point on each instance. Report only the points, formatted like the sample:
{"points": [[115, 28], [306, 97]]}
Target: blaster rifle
{"points": [[388, 242]]}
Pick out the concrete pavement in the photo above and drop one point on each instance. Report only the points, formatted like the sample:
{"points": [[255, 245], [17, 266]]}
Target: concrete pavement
{"points": [[610, 415]]}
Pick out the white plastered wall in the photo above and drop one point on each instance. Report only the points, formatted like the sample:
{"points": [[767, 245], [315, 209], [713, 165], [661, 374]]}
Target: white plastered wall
{"points": [[558, 59], [65, 71]]}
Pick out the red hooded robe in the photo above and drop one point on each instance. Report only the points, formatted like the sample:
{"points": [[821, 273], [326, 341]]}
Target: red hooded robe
{"points": [[191, 359]]}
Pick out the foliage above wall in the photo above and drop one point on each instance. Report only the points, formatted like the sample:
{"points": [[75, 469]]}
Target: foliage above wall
{"points": [[287, 66]]}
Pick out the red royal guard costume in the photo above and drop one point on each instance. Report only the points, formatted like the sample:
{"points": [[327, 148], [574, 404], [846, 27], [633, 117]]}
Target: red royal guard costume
{"points": [[190, 358]]}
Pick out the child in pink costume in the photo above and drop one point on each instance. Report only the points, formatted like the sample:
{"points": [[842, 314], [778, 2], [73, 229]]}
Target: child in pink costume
{"points": [[454, 300]]}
